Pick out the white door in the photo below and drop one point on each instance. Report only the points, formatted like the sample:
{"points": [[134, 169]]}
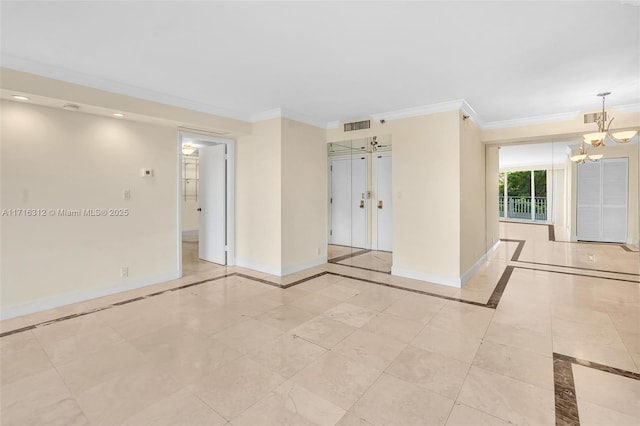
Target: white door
{"points": [[212, 233], [359, 202], [602, 200], [340, 201], [383, 206]]}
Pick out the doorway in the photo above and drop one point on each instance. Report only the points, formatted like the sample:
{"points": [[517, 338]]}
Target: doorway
{"points": [[206, 198]]}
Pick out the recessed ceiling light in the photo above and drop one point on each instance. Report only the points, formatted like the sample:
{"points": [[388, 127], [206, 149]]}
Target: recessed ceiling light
{"points": [[21, 98], [118, 114]]}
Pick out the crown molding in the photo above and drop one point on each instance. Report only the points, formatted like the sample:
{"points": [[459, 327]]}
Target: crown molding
{"points": [[528, 121], [421, 110], [291, 115], [70, 76]]}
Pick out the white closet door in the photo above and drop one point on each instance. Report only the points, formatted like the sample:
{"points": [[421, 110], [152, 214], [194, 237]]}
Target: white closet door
{"points": [[615, 182], [340, 202], [359, 202], [384, 206], [602, 200]]}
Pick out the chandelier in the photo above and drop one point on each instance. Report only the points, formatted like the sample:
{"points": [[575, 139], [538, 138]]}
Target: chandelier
{"points": [[598, 138], [603, 134], [188, 149]]}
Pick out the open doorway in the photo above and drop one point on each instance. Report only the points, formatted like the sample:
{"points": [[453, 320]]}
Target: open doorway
{"points": [[206, 200]]}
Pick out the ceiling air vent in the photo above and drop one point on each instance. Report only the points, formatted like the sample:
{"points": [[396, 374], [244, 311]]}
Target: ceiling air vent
{"points": [[593, 117], [357, 125]]}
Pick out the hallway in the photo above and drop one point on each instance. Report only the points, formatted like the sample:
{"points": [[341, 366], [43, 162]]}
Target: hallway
{"points": [[544, 333]]}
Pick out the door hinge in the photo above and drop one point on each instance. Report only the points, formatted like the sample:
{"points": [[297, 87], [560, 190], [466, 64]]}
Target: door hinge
{"points": [[331, 167], [331, 200], [331, 232], [226, 248]]}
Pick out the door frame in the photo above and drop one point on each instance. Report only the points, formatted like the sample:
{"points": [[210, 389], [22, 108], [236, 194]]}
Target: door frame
{"points": [[374, 217], [230, 192]]}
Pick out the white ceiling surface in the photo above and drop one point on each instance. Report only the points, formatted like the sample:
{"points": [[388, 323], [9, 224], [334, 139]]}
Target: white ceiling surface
{"points": [[330, 61]]}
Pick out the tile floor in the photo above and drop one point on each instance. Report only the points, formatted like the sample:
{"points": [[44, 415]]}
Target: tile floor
{"points": [[544, 333]]}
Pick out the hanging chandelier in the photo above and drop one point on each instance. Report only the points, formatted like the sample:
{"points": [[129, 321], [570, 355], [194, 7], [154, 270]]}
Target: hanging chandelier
{"points": [[582, 156], [188, 149], [598, 138]]}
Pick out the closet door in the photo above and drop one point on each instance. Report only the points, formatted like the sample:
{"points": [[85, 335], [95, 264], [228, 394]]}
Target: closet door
{"points": [[615, 182], [602, 200]]}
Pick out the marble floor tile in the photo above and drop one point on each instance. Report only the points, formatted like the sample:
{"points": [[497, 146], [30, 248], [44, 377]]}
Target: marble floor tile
{"points": [[339, 292], [180, 408], [430, 370], [607, 390], [37, 399], [506, 398], [350, 419], [416, 308], [461, 318], [462, 415], [236, 386], [323, 331], [315, 303], [394, 327], [287, 354], [248, 335], [391, 401], [337, 378], [285, 317], [460, 347], [290, 404], [596, 415], [516, 363], [349, 314], [370, 349], [21, 356]]}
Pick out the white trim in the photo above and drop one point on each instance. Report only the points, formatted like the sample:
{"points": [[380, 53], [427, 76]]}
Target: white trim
{"points": [[286, 270], [259, 267], [467, 275], [190, 232], [448, 280], [528, 121], [421, 110], [75, 77], [57, 301], [289, 114]]}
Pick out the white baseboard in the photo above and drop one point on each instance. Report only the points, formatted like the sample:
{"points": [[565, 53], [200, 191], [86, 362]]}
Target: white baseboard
{"points": [[286, 270], [448, 280], [467, 275], [52, 302], [256, 266]]}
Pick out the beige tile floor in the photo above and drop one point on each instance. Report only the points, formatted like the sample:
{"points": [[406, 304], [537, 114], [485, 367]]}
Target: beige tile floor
{"points": [[338, 349]]}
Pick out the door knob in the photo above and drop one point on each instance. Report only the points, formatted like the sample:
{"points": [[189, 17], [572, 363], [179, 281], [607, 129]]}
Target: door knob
{"points": [[362, 204], [379, 204], [199, 209]]}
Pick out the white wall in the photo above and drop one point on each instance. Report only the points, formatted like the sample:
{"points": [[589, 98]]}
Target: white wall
{"points": [[473, 241], [304, 196], [56, 159], [259, 198]]}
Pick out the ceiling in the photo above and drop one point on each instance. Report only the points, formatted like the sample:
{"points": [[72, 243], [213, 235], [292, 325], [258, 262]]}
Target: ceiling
{"points": [[329, 61]]}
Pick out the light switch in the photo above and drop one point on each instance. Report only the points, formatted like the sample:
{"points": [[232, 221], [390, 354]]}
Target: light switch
{"points": [[126, 194]]}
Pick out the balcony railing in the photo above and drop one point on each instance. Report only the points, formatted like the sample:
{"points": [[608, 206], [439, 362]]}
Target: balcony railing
{"points": [[520, 208]]}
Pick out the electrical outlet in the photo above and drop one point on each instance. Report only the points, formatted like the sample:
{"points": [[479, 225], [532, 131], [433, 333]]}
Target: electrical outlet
{"points": [[592, 258], [319, 251], [124, 272]]}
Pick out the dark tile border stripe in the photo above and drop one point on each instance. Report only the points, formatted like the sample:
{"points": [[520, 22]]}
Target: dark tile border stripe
{"points": [[566, 404], [337, 260], [516, 254], [577, 275], [348, 255], [597, 366], [579, 267]]}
